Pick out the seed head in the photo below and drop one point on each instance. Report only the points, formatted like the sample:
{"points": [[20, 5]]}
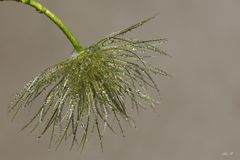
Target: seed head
{"points": [[91, 90]]}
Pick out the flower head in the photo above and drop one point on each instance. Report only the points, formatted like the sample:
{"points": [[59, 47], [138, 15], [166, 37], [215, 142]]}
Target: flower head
{"points": [[90, 89]]}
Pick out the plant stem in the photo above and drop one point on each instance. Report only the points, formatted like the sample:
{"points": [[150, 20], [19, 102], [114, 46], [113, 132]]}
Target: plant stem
{"points": [[42, 9]]}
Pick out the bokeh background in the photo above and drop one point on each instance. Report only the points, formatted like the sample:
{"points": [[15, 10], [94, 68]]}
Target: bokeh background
{"points": [[199, 114]]}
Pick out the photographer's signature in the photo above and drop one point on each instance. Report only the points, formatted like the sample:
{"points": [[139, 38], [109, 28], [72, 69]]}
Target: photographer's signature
{"points": [[227, 153]]}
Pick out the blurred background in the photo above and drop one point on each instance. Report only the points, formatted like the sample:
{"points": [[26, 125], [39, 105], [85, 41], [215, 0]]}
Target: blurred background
{"points": [[199, 114]]}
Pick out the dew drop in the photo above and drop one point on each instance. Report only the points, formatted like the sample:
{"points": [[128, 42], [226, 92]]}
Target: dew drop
{"points": [[74, 54], [132, 123], [82, 125], [142, 51], [38, 139]]}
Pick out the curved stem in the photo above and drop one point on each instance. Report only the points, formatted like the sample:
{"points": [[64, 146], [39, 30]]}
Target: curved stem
{"points": [[42, 9]]}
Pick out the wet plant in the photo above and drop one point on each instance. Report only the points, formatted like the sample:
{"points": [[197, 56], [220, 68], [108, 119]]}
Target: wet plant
{"points": [[97, 88]]}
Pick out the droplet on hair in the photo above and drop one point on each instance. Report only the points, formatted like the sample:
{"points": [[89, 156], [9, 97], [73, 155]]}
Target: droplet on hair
{"points": [[134, 49], [74, 54]]}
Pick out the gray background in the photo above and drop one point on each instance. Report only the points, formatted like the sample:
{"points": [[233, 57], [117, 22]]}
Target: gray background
{"points": [[199, 114]]}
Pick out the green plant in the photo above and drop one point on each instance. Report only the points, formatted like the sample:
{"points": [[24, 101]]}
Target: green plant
{"points": [[91, 89]]}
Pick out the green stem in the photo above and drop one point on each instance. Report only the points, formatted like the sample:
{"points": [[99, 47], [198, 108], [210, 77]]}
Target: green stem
{"points": [[39, 7]]}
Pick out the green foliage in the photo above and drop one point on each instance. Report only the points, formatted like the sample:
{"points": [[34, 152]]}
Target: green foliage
{"points": [[90, 91]]}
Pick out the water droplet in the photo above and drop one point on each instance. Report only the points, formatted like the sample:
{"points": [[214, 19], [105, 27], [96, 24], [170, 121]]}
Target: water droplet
{"points": [[38, 139], [132, 123], [74, 54], [142, 51], [82, 125], [152, 105]]}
